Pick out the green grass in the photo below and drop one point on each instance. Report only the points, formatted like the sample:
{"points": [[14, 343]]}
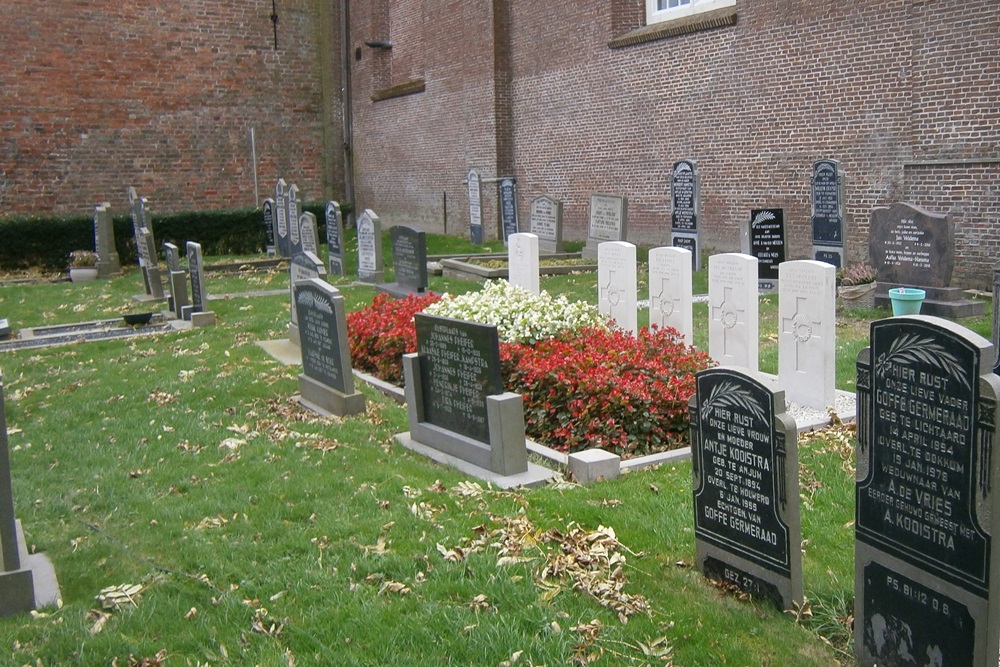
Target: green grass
{"points": [[267, 536]]}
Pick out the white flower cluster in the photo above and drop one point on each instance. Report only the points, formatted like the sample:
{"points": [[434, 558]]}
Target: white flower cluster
{"points": [[519, 315]]}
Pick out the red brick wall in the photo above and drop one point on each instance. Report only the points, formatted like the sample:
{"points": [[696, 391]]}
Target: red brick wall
{"points": [[880, 86], [103, 94]]}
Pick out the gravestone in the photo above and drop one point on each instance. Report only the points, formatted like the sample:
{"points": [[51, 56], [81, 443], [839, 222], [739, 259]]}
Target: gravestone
{"points": [[369, 247], [27, 582], [409, 261], [458, 411], [145, 249], [670, 291], [270, 233], [294, 211], [744, 460], [767, 244], [733, 325], [475, 207], [828, 218], [508, 207], [617, 284], [807, 332], [522, 262], [926, 576], [685, 199], [996, 317], [545, 222], [5, 330], [178, 280], [108, 263], [608, 222], [196, 270], [309, 233], [326, 383], [281, 217], [303, 267], [334, 239]]}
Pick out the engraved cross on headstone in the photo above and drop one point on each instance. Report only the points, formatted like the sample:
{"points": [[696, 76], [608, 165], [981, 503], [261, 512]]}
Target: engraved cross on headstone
{"points": [[801, 328], [729, 316], [662, 301], [611, 292]]}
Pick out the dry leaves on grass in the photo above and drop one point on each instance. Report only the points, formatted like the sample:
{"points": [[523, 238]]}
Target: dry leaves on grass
{"points": [[114, 598]]}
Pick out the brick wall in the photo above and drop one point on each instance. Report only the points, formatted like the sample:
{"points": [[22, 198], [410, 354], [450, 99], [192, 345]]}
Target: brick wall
{"points": [[883, 87], [101, 95]]}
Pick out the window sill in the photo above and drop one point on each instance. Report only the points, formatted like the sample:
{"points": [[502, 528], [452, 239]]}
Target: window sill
{"points": [[717, 18], [399, 90]]}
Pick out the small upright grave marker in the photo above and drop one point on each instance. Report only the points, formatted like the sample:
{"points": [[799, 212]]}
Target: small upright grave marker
{"points": [[746, 485], [807, 332], [685, 201], [146, 249], [309, 233], [270, 234], [767, 244], [926, 587], [369, 247], [522, 262], [409, 261], [294, 211], [178, 280], [617, 284], [475, 207], [546, 223], [108, 263], [828, 224], [303, 267], [326, 383], [733, 325], [670, 297], [199, 294], [508, 207], [281, 216], [334, 239], [608, 222]]}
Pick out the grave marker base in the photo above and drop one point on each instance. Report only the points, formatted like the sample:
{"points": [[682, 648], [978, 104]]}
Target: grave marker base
{"points": [[947, 302], [398, 291], [322, 399], [31, 587]]}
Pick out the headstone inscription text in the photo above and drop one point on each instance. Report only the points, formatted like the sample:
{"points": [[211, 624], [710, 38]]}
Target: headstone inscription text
{"points": [[460, 367], [911, 246], [827, 204], [546, 223], [319, 335], [409, 257], [767, 243], [684, 197]]}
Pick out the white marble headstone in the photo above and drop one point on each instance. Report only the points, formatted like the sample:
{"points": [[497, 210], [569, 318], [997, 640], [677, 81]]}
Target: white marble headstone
{"points": [[733, 322], [807, 326], [616, 284], [670, 290], [522, 261]]}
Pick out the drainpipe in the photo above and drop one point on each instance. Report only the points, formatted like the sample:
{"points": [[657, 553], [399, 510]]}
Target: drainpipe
{"points": [[347, 103]]}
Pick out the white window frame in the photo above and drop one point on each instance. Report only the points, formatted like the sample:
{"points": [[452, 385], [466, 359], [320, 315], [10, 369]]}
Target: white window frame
{"points": [[654, 15]]}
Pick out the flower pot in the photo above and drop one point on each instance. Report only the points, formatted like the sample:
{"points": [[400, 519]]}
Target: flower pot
{"points": [[80, 274], [906, 300], [858, 296]]}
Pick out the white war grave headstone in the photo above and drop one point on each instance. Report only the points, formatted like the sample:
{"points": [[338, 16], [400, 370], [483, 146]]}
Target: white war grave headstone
{"points": [[733, 324], [807, 332], [670, 297], [522, 261], [617, 284]]}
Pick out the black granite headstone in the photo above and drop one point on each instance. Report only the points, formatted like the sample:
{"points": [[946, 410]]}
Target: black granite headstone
{"points": [[322, 341], [684, 197], [196, 269], [690, 244], [911, 246], [409, 257], [746, 495], [334, 239], [269, 234], [460, 367], [827, 204], [927, 415], [508, 207], [828, 256], [767, 241]]}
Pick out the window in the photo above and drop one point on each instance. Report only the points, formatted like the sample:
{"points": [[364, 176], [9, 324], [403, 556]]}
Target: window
{"points": [[667, 10]]}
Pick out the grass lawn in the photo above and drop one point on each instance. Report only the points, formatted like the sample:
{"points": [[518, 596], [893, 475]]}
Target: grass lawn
{"points": [[261, 534]]}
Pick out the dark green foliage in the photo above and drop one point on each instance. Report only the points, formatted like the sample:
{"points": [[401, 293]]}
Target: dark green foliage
{"points": [[46, 241]]}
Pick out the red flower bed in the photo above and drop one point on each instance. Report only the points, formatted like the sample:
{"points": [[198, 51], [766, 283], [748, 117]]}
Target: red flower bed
{"points": [[380, 334], [594, 388], [606, 389]]}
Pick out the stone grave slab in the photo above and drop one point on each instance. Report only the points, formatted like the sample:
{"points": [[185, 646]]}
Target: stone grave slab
{"points": [[172, 256], [281, 217], [733, 324], [309, 233], [685, 199], [457, 406], [196, 272], [670, 291], [108, 262], [926, 576], [608, 222], [409, 261], [475, 183], [744, 460], [303, 267], [270, 232], [617, 284], [508, 207], [807, 332], [767, 244], [326, 383], [294, 205], [334, 239], [545, 222], [829, 225], [522, 262], [370, 248], [27, 582]]}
